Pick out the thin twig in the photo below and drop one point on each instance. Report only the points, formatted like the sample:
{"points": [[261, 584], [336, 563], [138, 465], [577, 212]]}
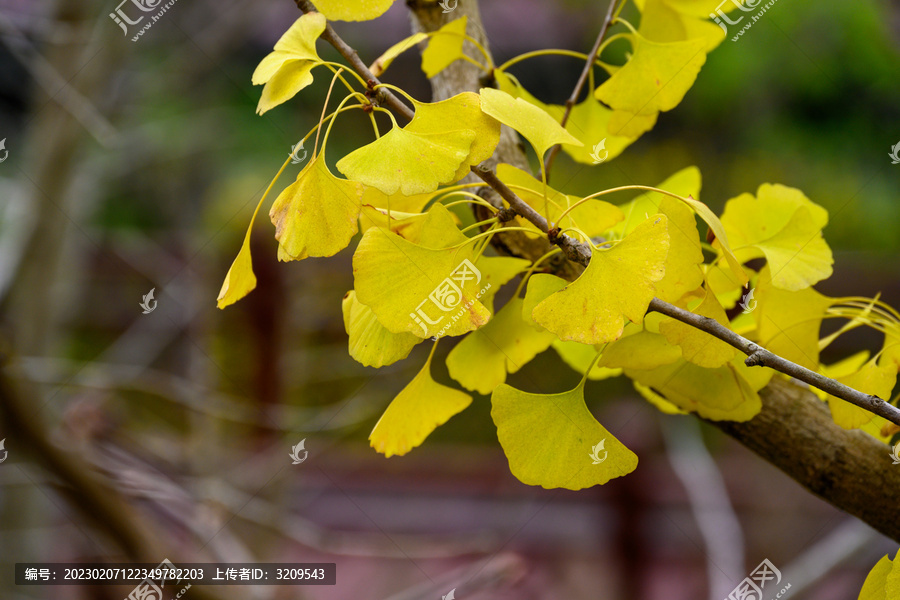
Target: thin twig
{"points": [[384, 96], [582, 79], [580, 252]]}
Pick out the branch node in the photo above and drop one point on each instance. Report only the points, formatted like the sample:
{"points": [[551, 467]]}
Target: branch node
{"points": [[755, 359], [506, 214]]}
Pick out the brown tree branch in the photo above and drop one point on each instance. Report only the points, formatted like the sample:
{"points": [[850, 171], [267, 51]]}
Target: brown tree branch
{"points": [[794, 431], [580, 253], [582, 79]]}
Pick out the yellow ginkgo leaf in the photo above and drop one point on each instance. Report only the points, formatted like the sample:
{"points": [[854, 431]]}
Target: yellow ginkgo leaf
{"points": [[783, 225], [384, 61], [588, 122], [406, 225], [482, 359], [581, 356], [583, 452], [317, 214], [540, 287], [496, 271], [722, 394], [353, 10], [462, 111], [656, 400], [698, 346], [424, 291], [444, 47], [883, 581], [418, 409], [370, 343], [642, 350], [431, 150], [870, 379], [788, 323], [668, 21], [655, 79], [535, 125], [288, 69], [616, 285], [240, 279], [682, 267], [594, 217]]}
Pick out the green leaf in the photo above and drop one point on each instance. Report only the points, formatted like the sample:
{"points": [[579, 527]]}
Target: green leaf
{"points": [[783, 225], [655, 79], [616, 285], [507, 343], [535, 125], [352, 10], [317, 214], [549, 439], [418, 409], [370, 343], [288, 69], [445, 47]]}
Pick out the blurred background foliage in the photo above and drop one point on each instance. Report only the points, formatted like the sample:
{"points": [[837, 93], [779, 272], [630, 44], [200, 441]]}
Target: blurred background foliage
{"points": [[141, 162]]}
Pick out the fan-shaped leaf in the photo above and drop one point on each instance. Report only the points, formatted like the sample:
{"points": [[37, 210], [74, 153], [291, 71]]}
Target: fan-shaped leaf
{"points": [[418, 409], [444, 47], [370, 343], [482, 359], [317, 214], [288, 69], [616, 285], [535, 125], [549, 440], [353, 10]]}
